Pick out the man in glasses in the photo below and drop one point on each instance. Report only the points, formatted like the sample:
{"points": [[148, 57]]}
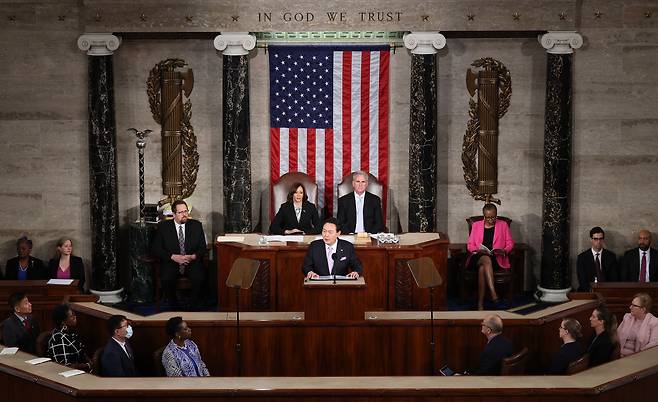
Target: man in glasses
{"points": [[180, 244], [596, 264]]}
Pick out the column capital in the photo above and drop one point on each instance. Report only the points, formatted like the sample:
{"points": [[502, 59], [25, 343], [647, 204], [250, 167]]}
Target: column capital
{"points": [[561, 42], [235, 43], [99, 44], [424, 42]]}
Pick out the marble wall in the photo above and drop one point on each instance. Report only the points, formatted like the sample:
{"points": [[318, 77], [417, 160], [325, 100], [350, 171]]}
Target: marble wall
{"points": [[44, 182]]}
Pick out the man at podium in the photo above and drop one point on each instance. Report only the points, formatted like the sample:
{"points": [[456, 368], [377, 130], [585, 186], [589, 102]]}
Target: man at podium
{"points": [[331, 255]]}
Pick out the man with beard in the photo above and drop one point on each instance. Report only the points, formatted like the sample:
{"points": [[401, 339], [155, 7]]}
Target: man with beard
{"points": [[640, 264]]}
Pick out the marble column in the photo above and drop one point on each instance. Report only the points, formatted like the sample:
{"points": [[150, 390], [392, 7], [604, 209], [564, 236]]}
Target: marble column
{"points": [[235, 49], [555, 273], [423, 129], [103, 193]]}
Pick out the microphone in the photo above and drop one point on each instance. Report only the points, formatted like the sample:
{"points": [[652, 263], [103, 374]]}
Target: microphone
{"points": [[333, 257]]}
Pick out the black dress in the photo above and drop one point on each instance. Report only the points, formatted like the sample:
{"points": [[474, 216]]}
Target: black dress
{"points": [[600, 349], [569, 352], [487, 241]]}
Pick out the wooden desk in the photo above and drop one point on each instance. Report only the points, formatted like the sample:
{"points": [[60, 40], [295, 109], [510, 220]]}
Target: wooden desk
{"points": [[326, 301], [386, 343], [278, 285], [43, 297], [632, 378]]}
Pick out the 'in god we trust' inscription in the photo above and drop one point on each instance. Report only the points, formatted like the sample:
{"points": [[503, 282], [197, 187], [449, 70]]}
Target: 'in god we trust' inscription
{"points": [[331, 16]]}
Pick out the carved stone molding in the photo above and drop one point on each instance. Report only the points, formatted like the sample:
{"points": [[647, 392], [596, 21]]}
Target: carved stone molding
{"points": [[235, 43], [424, 42], [99, 44], [561, 42]]}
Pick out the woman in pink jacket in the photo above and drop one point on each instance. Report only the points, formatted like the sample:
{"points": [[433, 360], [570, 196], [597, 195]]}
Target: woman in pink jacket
{"points": [[639, 329], [496, 237]]}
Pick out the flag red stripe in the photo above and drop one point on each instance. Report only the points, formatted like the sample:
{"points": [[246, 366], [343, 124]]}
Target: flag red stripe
{"points": [[292, 150], [365, 111], [310, 153], [276, 163], [329, 170], [347, 112]]}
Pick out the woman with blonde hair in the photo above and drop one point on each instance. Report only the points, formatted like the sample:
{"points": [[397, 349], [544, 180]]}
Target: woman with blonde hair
{"points": [[65, 265], [639, 328]]}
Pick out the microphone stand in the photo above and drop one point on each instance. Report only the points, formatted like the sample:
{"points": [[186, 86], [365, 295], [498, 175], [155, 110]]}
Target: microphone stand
{"points": [[238, 347], [432, 343], [333, 257]]}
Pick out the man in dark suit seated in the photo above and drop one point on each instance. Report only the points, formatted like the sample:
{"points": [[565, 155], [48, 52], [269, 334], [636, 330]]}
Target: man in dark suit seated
{"points": [[640, 264], [331, 255], [180, 244], [596, 264], [360, 211], [20, 329], [118, 359], [498, 347]]}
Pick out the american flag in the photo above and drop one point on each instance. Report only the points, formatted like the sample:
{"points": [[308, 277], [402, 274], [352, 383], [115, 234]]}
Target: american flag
{"points": [[329, 114]]}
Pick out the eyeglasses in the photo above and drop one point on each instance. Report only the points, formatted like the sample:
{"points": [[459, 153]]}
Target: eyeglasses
{"points": [[561, 327], [597, 238], [183, 212], [489, 218], [635, 305]]}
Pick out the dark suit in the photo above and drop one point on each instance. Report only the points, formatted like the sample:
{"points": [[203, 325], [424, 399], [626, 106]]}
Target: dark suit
{"points": [[629, 271], [372, 213], [285, 219], [316, 259], [115, 362], [35, 270], [14, 333], [165, 244], [586, 268], [77, 270], [600, 349], [493, 354], [569, 352]]}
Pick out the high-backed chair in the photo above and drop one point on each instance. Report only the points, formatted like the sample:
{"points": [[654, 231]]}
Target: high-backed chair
{"points": [[281, 188], [157, 362], [374, 186], [579, 365], [515, 364], [41, 343], [501, 278]]}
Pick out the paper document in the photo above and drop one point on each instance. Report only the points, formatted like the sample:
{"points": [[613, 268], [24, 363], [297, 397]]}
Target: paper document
{"points": [[331, 278], [485, 249], [60, 282], [38, 360], [286, 238], [231, 239], [71, 373], [9, 351]]}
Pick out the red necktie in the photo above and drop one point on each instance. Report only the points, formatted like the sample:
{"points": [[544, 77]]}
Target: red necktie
{"points": [[643, 267], [26, 324]]}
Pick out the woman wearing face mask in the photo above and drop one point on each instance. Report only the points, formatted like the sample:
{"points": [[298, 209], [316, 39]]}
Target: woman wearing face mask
{"points": [[181, 356], [24, 266], [65, 265], [64, 345]]}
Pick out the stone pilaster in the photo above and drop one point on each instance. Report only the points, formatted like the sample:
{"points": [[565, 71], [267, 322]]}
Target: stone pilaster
{"points": [[555, 272], [103, 193], [235, 48], [423, 129]]}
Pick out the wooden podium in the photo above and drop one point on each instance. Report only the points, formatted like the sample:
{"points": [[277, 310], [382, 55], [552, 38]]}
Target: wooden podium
{"points": [[342, 301]]}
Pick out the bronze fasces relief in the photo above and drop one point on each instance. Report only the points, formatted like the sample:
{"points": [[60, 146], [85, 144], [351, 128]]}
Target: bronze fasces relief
{"points": [[168, 90], [493, 85]]}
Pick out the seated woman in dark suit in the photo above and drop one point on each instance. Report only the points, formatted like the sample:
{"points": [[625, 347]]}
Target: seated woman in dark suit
{"points": [[297, 215], [602, 346], [571, 349], [65, 265], [24, 266]]}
